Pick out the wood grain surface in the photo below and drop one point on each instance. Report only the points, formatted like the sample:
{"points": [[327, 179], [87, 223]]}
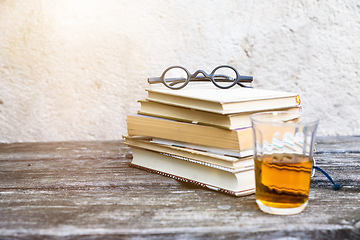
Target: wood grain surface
{"points": [[86, 190]]}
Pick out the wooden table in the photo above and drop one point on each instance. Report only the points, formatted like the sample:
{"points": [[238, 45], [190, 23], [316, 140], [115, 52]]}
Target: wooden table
{"points": [[86, 190]]}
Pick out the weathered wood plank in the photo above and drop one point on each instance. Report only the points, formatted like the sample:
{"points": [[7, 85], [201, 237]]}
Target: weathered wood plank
{"points": [[86, 190], [338, 144]]}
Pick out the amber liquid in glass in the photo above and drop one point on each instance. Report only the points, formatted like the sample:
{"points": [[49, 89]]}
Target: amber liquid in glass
{"points": [[283, 180]]}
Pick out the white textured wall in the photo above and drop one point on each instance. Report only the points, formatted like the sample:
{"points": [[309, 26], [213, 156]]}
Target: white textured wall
{"points": [[73, 69]]}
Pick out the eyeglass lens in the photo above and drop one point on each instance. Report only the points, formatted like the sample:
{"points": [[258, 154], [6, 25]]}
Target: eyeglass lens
{"points": [[176, 77], [225, 76]]}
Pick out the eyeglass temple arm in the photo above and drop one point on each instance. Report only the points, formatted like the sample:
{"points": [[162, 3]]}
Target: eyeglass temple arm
{"points": [[172, 81], [246, 79], [154, 80]]}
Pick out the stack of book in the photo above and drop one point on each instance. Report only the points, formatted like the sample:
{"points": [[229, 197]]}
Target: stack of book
{"points": [[202, 134]]}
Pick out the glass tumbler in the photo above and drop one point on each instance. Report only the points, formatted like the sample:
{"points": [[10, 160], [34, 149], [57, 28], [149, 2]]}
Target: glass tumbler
{"points": [[283, 158]]}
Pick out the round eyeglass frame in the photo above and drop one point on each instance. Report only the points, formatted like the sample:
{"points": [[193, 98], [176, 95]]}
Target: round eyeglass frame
{"points": [[194, 77]]}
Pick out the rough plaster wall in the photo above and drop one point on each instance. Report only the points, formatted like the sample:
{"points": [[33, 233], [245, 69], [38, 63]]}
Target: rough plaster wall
{"points": [[73, 70]]}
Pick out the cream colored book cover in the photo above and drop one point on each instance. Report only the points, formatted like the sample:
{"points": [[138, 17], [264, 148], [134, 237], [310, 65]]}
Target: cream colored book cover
{"points": [[216, 160], [186, 114], [142, 125], [239, 183], [224, 101]]}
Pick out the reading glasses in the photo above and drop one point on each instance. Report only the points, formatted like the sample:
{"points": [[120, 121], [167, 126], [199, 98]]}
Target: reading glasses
{"points": [[224, 76]]}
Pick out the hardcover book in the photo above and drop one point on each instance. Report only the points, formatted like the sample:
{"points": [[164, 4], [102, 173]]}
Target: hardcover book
{"points": [[224, 101], [187, 114], [218, 160], [236, 182], [142, 125]]}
